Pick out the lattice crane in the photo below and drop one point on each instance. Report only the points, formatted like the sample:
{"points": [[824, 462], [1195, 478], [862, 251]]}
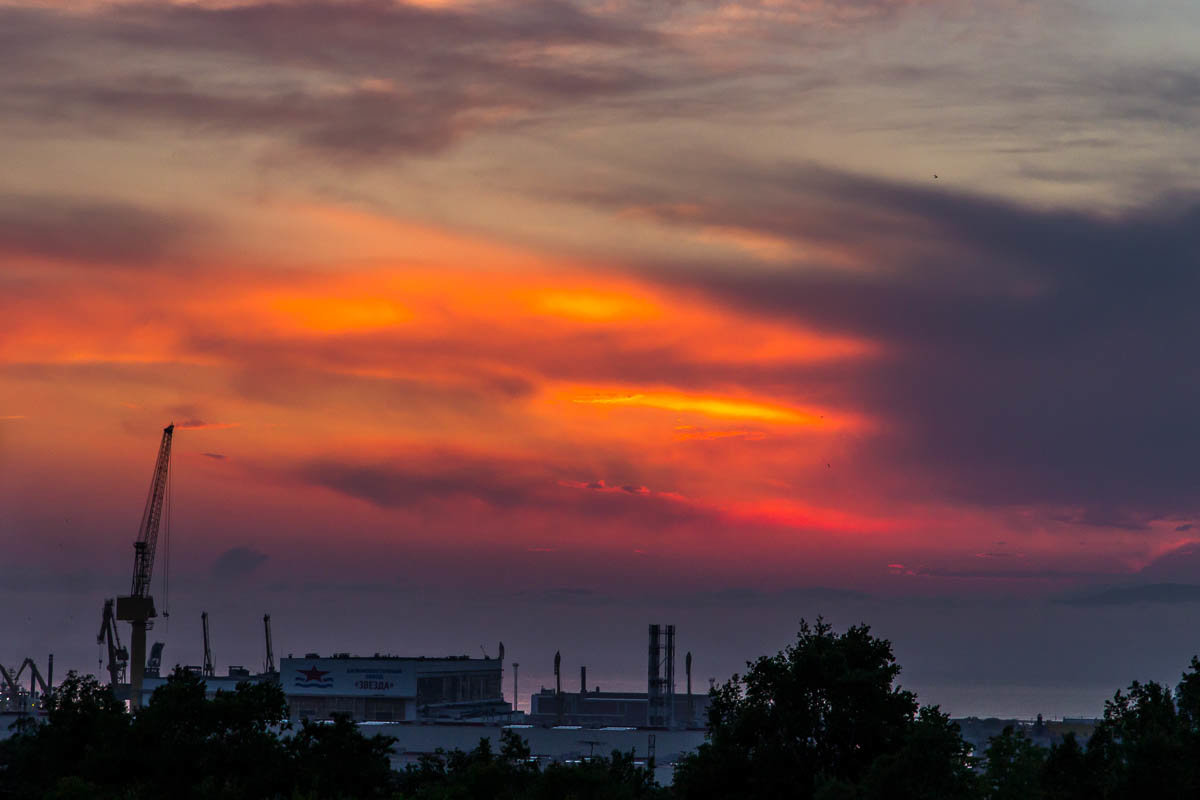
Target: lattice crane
{"points": [[118, 656], [208, 669], [137, 607], [269, 666]]}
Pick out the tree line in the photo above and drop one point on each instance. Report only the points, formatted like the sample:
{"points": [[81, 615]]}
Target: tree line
{"points": [[824, 719]]}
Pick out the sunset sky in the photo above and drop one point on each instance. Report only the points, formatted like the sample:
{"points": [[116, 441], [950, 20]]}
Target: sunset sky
{"points": [[539, 321]]}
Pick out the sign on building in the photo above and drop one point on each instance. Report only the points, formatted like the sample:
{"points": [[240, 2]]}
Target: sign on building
{"points": [[348, 677]]}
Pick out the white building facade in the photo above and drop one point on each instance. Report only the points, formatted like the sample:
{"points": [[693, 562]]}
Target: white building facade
{"points": [[392, 689]]}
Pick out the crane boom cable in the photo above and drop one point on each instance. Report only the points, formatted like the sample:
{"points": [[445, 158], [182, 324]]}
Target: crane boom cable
{"points": [[166, 575]]}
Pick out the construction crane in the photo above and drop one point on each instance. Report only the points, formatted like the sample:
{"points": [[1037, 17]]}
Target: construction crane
{"points": [[208, 663], [269, 666], [118, 656], [137, 608], [13, 681], [154, 662]]}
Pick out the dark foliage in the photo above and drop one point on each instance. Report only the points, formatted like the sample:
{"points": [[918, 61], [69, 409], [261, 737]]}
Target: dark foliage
{"points": [[824, 719], [183, 745], [932, 763], [1014, 767], [335, 760], [511, 774], [83, 746]]}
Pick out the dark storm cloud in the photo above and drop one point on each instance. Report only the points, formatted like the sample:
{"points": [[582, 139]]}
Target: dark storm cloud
{"points": [[412, 484], [373, 79], [363, 31], [351, 35], [431, 481], [237, 562], [1106, 517], [352, 79], [365, 122], [88, 231], [1031, 357]]}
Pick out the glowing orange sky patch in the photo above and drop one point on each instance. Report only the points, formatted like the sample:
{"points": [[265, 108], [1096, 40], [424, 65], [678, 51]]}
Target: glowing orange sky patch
{"points": [[792, 514], [333, 314], [709, 406], [593, 305]]}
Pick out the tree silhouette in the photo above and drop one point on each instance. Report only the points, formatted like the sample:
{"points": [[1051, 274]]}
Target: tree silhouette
{"points": [[816, 719], [1014, 767]]}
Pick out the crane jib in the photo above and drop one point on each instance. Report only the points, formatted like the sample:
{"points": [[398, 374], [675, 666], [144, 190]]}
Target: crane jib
{"points": [[143, 548]]}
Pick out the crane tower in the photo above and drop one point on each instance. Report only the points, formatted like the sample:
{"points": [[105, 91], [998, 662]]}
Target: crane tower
{"points": [[137, 608], [208, 669], [269, 666]]}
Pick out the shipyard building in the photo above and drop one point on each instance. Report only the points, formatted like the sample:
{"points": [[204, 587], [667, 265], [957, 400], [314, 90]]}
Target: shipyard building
{"points": [[597, 709], [659, 707], [393, 688]]}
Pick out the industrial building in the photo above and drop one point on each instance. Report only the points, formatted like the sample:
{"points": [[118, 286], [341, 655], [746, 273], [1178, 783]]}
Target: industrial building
{"points": [[660, 707], [596, 709], [393, 688]]}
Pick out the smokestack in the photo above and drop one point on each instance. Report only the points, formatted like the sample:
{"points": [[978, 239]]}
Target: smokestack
{"points": [[516, 669], [558, 695], [687, 665], [583, 680], [653, 663], [50, 673], [670, 677], [655, 684]]}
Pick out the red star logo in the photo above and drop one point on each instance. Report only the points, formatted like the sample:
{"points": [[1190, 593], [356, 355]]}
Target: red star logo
{"points": [[313, 674]]}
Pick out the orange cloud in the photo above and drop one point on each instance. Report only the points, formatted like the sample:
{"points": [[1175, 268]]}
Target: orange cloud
{"points": [[708, 406]]}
